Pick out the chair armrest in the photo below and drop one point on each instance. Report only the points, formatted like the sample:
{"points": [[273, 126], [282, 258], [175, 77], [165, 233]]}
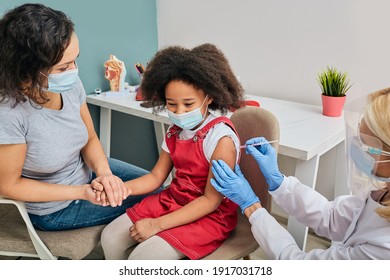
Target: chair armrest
{"points": [[42, 251]]}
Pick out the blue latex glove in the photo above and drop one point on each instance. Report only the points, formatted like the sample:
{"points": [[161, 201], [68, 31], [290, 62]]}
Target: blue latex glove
{"points": [[265, 156], [232, 185]]}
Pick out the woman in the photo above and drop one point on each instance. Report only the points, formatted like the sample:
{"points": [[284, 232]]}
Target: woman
{"points": [[50, 154], [359, 222]]}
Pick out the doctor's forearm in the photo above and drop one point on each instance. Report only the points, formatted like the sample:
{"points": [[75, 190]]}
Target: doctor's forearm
{"points": [[273, 238], [248, 211]]}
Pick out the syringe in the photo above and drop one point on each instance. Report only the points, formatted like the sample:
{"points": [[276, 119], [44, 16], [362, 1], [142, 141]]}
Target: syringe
{"points": [[258, 144]]}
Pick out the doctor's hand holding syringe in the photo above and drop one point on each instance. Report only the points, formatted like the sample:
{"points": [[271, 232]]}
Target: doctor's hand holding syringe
{"points": [[235, 187]]}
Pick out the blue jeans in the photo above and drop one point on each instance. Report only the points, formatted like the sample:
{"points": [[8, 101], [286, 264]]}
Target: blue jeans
{"points": [[82, 213]]}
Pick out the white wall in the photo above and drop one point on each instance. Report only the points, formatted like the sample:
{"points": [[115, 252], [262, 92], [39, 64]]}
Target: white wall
{"points": [[277, 47]]}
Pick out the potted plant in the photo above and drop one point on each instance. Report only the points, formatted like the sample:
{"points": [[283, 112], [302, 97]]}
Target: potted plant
{"points": [[334, 85]]}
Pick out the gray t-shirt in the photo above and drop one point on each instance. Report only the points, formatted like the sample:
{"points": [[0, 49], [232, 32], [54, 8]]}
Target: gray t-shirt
{"points": [[54, 140]]}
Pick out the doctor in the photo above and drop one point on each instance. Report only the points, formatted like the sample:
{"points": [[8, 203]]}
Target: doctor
{"points": [[360, 222]]}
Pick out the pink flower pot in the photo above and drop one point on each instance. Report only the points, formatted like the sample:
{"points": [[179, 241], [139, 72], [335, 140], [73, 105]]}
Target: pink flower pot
{"points": [[332, 106]]}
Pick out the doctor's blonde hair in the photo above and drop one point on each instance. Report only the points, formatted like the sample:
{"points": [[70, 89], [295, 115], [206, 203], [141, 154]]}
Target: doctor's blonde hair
{"points": [[377, 118]]}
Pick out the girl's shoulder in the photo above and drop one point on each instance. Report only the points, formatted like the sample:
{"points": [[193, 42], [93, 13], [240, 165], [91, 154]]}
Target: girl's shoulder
{"points": [[218, 125]]}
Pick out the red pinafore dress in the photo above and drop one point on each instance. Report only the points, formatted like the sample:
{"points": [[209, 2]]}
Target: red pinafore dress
{"points": [[203, 236]]}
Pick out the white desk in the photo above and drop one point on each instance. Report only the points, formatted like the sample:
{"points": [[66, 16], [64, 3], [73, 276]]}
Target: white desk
{"points": [[305, 134]]}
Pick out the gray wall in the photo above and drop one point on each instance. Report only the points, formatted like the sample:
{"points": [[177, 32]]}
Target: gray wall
{"points": [[127, 29]]}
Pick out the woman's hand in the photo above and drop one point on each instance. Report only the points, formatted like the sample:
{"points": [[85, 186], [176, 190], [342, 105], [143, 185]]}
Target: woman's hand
{"points": [[144, 229], [111, 188]]}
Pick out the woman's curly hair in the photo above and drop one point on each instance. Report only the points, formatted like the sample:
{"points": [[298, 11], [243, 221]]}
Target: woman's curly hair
{"points": [[33, 39], [204, 67]]}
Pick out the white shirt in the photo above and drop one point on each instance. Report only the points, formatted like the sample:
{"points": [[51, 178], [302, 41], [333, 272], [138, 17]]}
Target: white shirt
{"points": [[349, 219], [212, 138]]}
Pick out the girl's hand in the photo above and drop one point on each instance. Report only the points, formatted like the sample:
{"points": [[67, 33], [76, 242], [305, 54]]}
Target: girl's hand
{"points": [[92, 195], [144, 229], [100, 194], [114, 189]]}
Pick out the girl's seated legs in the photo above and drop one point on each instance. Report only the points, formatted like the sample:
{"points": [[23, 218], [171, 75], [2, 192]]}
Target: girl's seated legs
{"points": [[155, 248], [116, 243], [116, 239]]}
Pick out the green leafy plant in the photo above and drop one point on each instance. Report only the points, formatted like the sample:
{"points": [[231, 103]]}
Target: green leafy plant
{"points": [[334, 82]]}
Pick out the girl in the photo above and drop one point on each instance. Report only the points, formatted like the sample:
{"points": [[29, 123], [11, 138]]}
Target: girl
{"points": [[190, 218]]}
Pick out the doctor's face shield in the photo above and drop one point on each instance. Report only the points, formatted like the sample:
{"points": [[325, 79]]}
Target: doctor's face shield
{"points": [[364, 151]]}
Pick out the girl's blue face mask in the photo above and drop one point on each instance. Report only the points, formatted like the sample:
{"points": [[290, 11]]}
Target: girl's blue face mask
{"points": [[61, 82], [188, 120]]}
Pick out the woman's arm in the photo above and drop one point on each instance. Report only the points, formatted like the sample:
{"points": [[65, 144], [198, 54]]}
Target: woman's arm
{"points": [[14, 186], [94, 157], [92, 152], [194, 210]]}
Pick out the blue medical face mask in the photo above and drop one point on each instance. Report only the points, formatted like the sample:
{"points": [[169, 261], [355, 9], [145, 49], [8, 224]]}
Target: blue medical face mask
{"points": [[61, 82], [188, 120], [364, 161]]}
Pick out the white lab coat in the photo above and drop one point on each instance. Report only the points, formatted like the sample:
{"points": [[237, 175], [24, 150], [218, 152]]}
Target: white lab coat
{"points": [[362, 233]]}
